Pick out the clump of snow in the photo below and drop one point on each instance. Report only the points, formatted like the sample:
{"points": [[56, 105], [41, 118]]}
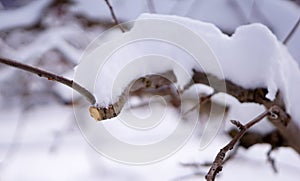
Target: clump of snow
{"points": [[252, 58], [245, 57]]}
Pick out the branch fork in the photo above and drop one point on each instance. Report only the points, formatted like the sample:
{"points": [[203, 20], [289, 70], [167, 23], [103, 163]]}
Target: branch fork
{"points": [[217, 166]]}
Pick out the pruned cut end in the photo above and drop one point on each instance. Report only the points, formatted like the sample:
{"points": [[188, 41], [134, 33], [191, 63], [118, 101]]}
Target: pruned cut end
{"points": [[95, 113]]}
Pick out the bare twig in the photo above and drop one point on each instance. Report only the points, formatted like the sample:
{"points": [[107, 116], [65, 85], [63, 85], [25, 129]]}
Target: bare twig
{"points": [[114, 15], [203, 100], [272, 160], [189, 176], [288, 37], [197, 166], [151, 6], [50, 76], [285, 125], [14, 145], [218, 162]]}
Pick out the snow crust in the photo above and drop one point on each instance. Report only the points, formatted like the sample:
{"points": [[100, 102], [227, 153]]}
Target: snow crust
{"points": [[252, 57]]}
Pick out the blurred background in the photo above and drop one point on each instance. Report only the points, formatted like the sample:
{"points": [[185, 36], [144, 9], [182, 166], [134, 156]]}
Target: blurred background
{"points": [[39, 137]]}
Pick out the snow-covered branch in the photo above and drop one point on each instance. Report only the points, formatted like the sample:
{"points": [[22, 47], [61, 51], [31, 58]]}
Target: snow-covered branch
{"points": [[284, 123]]}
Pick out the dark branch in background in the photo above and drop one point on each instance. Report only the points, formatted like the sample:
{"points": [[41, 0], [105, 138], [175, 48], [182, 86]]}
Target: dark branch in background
{"points": [[217, 164], [50, 76], [272, 161], [240, 13], [151, 6], [286, 40], [114, 16], [284, 123], [274, 138]]}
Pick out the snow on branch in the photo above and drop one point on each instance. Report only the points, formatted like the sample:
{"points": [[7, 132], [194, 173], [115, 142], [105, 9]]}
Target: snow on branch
{"points": [[284, 123], [154, 84], [256, 66]]}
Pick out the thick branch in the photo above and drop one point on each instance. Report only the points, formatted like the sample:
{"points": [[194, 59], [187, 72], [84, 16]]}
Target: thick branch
{"points": [[50, 76], [217, 164], [284, 123], [160, 84]]}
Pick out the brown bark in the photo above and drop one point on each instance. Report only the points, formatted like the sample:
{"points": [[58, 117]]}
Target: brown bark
{"points": [[284, 123]]}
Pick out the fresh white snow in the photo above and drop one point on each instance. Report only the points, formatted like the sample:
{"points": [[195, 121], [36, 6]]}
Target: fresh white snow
{"points": [[252, 57], [74, 159]]}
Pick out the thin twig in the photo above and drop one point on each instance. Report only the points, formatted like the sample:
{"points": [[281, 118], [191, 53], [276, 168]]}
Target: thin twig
{"points": [[288, 37], [151, 6], [272, 160], [114, 16], [203, 100], [50, 76], [285, 124], [197, 166], [218, 162]]}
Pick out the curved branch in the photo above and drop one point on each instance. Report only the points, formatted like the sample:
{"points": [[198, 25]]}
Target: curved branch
{"points": [[284, 123], [216, 167], [50, 76]]}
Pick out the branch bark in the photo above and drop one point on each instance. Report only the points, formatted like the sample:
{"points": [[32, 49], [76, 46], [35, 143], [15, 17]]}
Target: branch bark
{"points": [[50, 76], [114, 16], [284, 123], [288, 37], [161, 84], [217, 164]]}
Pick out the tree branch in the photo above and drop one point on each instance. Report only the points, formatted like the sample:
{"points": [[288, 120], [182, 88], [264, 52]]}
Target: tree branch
{"points": [[50, 76], [284, 123], [217, 164], [114, 15], [288, 37], [161, 84], [151, 6]]}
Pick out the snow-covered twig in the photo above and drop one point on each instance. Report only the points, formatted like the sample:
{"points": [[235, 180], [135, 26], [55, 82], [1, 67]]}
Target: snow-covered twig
{"points": [[51, 76], [218, 162], [114, 15]]}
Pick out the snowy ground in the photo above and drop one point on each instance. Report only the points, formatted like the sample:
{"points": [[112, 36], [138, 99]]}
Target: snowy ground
{"points": [[40, 155]]}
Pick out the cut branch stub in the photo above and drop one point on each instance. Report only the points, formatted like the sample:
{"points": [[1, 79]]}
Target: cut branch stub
{"points": [[102, 113], [158, 84]]}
